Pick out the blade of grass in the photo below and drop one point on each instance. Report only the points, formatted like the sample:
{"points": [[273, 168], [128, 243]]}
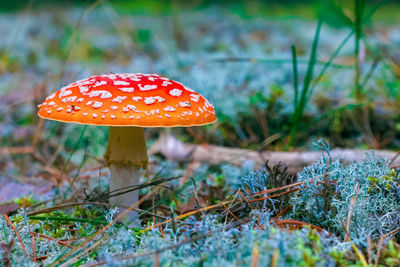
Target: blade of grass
{"points": [[62, 206], [295, 77], [61, 219], [5, 233], [306, 91], [329, 62], [341, 45], [358, 14], [299, 111], [337, 9], [368, 75], [155, 182]]}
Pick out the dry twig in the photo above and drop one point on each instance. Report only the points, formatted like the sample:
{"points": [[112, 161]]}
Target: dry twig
{"points": [[51, 238]]}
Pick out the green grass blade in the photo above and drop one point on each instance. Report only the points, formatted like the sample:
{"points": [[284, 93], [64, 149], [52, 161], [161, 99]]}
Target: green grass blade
{"points": [[65, 219], [329, 62], [295, 77], [358, 21], [298, 113]]}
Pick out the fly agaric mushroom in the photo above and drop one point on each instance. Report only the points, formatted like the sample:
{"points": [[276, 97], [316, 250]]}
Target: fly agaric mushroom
{"points": [[127, 103]]}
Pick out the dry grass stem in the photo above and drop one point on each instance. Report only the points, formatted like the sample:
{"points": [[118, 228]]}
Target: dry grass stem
{"points": [[51, 238], [350, 213], [245, 199], [230, 212], [283, 212], [33, 249], [254, 256]]}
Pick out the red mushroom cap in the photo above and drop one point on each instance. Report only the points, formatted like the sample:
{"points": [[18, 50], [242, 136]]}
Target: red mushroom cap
{"points": [[128, 99]]}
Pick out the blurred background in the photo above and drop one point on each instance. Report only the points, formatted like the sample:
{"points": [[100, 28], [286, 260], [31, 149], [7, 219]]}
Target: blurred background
{"points": [[281, 74]]}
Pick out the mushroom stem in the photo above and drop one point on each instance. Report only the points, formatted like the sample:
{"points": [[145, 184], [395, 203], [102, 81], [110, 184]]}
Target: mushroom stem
{"points": [[127, 160]]}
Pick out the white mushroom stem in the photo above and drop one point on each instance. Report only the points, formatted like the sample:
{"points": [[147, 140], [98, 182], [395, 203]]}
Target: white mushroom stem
{"points": [[126, 157]]}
